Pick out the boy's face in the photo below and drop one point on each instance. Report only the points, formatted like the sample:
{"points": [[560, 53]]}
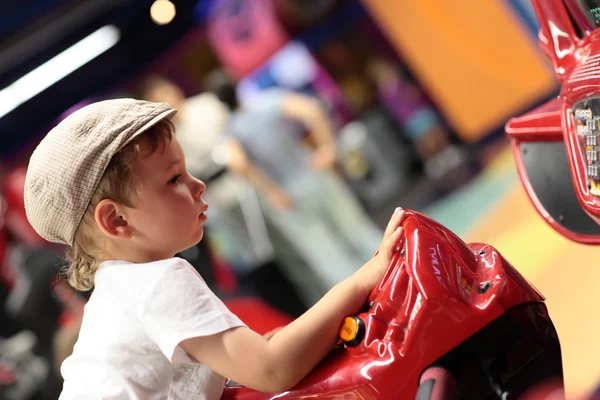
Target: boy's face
{"points": [[169, 211]]}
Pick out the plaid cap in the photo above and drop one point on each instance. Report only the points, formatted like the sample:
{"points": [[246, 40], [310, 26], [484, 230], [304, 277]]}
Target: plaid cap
{"points": [[66, 167]]}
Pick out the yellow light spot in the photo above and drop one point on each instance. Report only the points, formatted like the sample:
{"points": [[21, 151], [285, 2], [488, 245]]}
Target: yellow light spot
{"points": [[162, 12]]}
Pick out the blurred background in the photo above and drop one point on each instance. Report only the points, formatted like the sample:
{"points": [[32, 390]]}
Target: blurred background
{"points": [[408, 99]]}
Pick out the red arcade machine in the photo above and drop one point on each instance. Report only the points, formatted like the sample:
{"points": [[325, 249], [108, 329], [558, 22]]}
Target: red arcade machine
{"points": [[457, 321], [557, 145], [447, 321], [564, 186]]}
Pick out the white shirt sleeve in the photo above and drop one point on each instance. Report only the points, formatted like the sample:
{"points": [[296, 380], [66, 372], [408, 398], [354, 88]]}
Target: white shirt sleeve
{"points": [[178, 305]]}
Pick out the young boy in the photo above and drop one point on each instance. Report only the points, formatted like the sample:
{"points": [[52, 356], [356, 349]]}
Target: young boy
{"points": [[110, 182]]}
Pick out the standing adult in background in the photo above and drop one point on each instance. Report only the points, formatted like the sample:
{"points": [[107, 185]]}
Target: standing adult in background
{"points": [[199, 121], [307, 202], [236, 229]]}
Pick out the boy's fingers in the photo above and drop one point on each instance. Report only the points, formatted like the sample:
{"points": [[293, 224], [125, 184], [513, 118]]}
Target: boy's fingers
{"points": [[393, 240], [393, 223], [390, 243], [401, 215]]}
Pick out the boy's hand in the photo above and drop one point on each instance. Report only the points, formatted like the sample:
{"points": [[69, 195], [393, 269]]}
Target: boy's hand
{"points": [[391, 236], [368, 276]]}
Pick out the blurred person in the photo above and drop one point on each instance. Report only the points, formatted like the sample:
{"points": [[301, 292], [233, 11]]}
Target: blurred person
{"points": [[236, 228], [110, 181], [199, 121], [307, 201]]}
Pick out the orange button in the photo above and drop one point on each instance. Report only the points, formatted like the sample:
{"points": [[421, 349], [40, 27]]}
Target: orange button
{"points": [[349, 329], [352, 331]]}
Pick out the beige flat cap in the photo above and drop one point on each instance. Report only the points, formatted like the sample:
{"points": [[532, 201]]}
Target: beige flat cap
{"points": [[66, 167]]}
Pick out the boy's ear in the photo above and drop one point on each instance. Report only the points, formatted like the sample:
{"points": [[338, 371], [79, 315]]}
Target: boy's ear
{"points": [[111, 220]]}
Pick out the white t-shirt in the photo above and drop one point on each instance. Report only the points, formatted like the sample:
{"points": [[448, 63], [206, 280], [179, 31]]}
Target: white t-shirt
{"points": [[133, 323]]}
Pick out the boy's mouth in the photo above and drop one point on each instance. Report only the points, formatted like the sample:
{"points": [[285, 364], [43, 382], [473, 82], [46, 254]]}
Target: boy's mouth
{"points": [[203, 215]]}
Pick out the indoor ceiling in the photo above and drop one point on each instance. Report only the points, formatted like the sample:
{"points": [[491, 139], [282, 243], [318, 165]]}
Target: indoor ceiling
{"points": [[34, 32]]}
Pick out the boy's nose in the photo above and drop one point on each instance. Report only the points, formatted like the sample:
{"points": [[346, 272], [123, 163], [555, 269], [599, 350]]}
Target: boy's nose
{"points": [[198, 189]]}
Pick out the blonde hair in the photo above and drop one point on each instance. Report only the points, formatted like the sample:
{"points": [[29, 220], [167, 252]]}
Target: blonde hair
{"points": [[117, 184]]}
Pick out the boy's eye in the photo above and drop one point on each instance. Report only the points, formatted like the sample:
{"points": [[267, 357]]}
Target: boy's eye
{"points": [[175, 179]]}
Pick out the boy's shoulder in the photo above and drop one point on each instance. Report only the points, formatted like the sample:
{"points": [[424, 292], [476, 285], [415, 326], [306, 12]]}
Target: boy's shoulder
{"points": [[136, 283], [141, 272]]}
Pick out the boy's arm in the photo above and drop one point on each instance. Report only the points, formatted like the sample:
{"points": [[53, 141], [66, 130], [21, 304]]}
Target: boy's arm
{"points": [[281, 362]]}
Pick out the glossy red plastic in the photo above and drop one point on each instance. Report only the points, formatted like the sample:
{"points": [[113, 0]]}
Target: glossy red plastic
{"points": [[437, 292], [574, 49], [542, 124]]}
